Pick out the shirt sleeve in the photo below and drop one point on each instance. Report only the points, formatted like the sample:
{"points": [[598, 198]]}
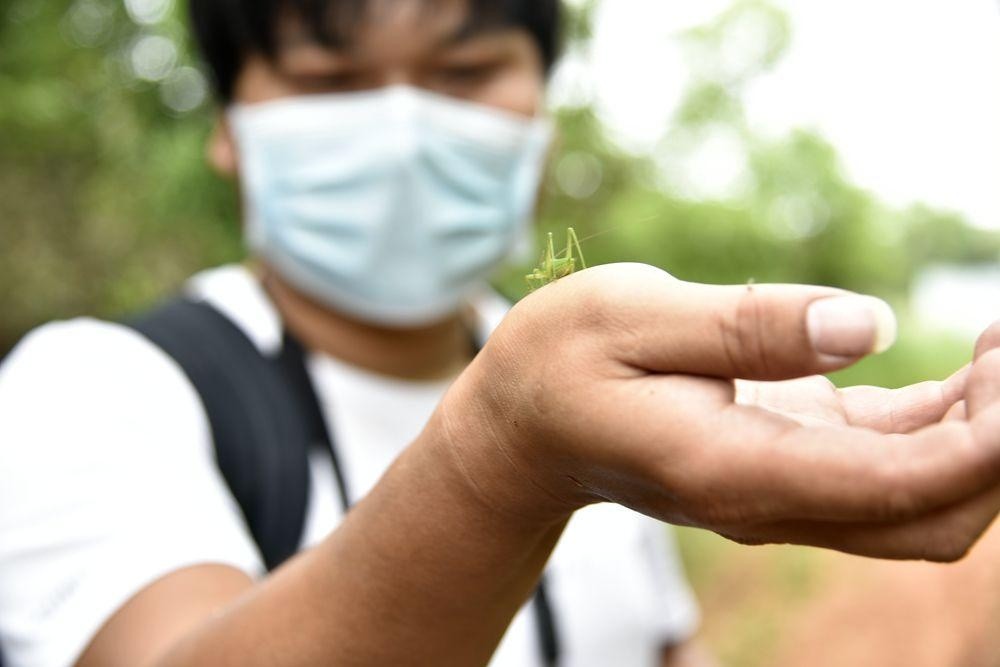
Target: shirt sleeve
{"points": [[107, 483]]}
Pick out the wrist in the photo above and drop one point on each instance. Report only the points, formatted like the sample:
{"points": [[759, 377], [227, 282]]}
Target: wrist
{"points": [[497, 461]]}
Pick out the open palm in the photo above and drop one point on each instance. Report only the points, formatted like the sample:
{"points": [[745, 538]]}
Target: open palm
{"points": [[816, 401]]}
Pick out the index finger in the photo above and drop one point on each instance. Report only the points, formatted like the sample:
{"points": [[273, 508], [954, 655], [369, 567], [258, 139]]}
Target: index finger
{"points": [[746, 465]]}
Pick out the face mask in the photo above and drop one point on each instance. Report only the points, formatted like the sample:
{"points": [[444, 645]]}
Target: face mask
{"points": [[389, 206]]}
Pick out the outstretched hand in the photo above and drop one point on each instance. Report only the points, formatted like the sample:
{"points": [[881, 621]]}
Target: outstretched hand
{"points": [[687, 402]]}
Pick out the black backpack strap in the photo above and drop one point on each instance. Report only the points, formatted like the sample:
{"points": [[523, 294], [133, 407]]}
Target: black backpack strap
{"points": [[265, 415], [293, 359], [545, 621], [261, 434], [293, 362]]}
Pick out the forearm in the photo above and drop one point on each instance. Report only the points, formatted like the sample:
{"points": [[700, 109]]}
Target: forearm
{"points": [[423, 571]]}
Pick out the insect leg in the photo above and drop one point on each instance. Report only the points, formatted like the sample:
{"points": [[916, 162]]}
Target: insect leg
{"points": [[574, 243]]}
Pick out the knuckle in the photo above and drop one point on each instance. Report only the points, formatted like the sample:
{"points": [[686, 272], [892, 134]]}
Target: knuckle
{"points": [[589, 301], [607, 307], [742, 338], [596, 308]]}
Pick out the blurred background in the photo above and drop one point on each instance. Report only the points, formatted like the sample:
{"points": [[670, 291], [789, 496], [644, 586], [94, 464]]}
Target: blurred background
{"points": [[853, 144]]}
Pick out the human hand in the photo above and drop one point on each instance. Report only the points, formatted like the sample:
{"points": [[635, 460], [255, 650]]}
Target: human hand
{"points": [[617, 384]]}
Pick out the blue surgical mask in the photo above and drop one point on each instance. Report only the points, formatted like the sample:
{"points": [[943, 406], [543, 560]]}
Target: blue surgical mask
{"points": [[390, 206]]}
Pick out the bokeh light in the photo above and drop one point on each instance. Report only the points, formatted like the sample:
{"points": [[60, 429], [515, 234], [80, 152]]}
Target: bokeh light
{"points": [[152, 57]]}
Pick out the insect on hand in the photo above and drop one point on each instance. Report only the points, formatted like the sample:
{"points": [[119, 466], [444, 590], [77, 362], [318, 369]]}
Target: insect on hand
{"points": [[552, 267]]}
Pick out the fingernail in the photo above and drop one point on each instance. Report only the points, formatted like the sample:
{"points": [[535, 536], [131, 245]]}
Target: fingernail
{"points": [[851, 326]]}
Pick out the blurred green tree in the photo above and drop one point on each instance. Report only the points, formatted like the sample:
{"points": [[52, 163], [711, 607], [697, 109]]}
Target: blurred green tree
{"points": [[106, 202]]}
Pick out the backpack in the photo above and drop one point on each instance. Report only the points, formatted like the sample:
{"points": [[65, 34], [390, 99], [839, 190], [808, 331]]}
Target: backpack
{"points": [[265, 418]]}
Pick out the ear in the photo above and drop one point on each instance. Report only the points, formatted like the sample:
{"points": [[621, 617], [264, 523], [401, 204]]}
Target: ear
{"points": [[221, 151]]}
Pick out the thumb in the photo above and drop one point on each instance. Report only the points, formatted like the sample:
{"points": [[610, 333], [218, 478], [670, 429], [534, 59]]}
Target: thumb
{"points": [[753, 332]]}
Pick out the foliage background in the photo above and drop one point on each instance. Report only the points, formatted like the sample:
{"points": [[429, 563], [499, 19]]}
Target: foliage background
{"points": [[106, 204]]}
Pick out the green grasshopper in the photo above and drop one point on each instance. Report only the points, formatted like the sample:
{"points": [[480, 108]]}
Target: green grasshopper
{"points": [[552, 267]]}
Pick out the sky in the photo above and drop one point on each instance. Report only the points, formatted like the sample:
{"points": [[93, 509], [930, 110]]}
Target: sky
{"points": [[907, 90]]}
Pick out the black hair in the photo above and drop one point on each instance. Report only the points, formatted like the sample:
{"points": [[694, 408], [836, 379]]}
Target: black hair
{"points": [[227, 31]]}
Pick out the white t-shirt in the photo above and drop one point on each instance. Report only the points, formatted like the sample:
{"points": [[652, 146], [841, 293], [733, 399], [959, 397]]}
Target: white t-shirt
{"points": [[108, 482]]}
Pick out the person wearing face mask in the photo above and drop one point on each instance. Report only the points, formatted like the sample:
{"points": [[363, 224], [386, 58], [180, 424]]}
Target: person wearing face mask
{"points": [[388, 156], [388, 161]]}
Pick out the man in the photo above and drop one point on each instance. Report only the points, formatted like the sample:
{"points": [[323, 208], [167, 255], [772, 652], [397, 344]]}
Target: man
{"points": [[388, 154]]}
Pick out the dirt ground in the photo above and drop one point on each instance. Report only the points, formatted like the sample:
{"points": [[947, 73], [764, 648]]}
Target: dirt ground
{"points": [[790, 607]]}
